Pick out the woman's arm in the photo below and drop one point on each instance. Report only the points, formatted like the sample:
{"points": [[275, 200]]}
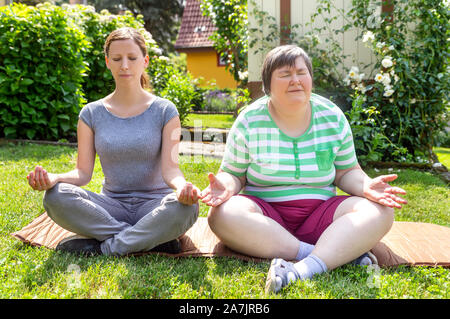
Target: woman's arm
{"points": [[187, 193], [40, 179], [355, 181]]}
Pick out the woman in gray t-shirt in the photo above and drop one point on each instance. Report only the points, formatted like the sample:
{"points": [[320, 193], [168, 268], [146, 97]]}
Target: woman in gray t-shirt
{"points": [[136, 135]]}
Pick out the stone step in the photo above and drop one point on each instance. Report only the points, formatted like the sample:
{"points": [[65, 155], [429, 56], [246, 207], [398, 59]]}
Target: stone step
{"points": [[194, 134], [215, 150]]}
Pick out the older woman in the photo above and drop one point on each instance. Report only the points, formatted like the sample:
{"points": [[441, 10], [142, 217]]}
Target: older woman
{"points": [[287, 152]]}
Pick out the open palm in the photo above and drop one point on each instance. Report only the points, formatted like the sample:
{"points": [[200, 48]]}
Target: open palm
{"points": [[379, 191], [216, 193]]}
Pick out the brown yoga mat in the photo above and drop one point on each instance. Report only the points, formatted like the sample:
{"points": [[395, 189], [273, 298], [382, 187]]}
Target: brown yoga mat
{"points": [[407, 243]]}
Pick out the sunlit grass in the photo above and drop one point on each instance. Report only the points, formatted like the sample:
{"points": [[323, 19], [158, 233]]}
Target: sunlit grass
{"points": [[37, 272]]}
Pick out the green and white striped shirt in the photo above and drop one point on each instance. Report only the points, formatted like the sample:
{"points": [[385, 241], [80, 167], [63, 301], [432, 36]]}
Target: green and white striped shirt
{"points": [[281, 168]]}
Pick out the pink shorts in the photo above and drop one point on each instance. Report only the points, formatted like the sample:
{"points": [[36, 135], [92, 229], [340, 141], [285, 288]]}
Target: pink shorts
{"points": [[306, 219]]}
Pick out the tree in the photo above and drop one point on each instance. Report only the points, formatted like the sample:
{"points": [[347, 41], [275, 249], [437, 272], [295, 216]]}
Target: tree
{"points": [[161, 17], [231, 36]]}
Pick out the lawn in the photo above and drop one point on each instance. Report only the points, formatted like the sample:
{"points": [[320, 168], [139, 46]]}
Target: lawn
{"points": [[222, 121], [36, 272], [443, 155]]}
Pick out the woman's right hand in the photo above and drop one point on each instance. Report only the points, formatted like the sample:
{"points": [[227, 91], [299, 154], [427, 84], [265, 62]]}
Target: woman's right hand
{"points": [[216, 193], [40, 179]]}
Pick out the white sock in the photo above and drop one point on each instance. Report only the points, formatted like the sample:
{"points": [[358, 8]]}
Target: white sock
{"points": [[310, 266], [304, 250]]}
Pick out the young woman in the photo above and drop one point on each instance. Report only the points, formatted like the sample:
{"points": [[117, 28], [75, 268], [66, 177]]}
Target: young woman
{"points": [[136, 135], [287, 152]]}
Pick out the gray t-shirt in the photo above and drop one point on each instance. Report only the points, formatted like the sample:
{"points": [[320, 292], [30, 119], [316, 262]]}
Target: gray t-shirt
{"points": [[130, 148]]}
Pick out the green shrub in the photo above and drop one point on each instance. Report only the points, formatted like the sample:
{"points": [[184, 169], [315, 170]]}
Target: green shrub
{"points": [[180, 91], [52, 63], [172, 83], [41, 72]]}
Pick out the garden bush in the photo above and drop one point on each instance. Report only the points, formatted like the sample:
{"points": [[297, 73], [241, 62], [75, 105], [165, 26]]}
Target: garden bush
{"points": [[41, 72], [401, 110], [52, 63]]}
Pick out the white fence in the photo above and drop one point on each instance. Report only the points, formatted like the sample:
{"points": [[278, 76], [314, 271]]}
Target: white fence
{"points": [[301, 11]]}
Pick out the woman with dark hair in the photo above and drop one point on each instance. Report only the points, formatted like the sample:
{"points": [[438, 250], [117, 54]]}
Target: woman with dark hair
{"points": [[136, 135], [287, 152]]}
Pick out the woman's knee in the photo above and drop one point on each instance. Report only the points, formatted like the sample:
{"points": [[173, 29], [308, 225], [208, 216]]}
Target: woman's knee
{"points": [[379, 214], [217, 215], [229, 213], [386, 216], [183, 216], [58, 198], [53, 197]]}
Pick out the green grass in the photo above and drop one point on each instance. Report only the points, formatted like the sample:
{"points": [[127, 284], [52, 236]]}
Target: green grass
{"points": [[37, 272], [443, 155], [222, 121]]}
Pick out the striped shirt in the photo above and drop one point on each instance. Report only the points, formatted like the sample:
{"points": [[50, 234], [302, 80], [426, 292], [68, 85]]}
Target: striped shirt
{"points": [[282, 168]]}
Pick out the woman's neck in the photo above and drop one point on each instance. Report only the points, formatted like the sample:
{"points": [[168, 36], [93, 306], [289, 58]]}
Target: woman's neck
{"points": [[128, 97], [294, 121]]}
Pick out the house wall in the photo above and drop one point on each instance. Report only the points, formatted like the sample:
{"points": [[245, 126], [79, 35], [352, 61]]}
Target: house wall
{"points": [[301, 11], [203, 63]]}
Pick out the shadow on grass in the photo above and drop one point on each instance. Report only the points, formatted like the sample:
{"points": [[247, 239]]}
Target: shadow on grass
{"points": [[139, 277], [33, 152]]}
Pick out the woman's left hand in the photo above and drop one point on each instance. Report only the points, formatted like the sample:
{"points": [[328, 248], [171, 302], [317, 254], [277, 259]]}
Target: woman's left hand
{"points": [[188, 194], [379, 191]]}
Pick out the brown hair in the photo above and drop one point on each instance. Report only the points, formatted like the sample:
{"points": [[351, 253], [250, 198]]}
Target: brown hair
{"points": [[279, 57], [126, 34]]}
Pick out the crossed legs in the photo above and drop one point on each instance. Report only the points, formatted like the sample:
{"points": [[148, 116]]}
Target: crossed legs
{"points": [[358, 224], [97, 216]]}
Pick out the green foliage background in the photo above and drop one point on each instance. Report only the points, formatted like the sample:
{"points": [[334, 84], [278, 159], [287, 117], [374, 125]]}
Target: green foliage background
{"points": [[52, 64]]}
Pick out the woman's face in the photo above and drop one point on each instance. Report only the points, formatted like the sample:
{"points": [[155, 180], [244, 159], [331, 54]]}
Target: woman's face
{"points": [[126, 62], [291, 85]]}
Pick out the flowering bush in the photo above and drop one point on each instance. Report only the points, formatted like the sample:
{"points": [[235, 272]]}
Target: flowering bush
{"points": [[404, 100]]}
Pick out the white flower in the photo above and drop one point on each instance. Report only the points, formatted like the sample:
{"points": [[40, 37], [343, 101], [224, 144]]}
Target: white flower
{"points": [[379, 77], [391, 48], [243, 75], [163, 58], [368, 36], [412, 101], [391, 100], [387, 62], [361, 88], [352, 74], [347, 80], [396, 78], [90, 8], [157, 51], [361, 77], [386, 79], [388, 93], [380, 45], [354, 69]]}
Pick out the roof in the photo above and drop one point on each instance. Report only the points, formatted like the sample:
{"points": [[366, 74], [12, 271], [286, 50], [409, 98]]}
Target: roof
{"points": [[195, 28]]}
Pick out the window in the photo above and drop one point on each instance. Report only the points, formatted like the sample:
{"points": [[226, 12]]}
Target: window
{"points": [[221, 61]]}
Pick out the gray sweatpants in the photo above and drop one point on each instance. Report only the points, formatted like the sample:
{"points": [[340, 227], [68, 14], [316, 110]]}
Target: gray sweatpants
{"points": [[123, 226]]}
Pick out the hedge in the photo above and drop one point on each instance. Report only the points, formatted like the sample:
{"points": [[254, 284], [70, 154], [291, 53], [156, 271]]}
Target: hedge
{"points": [[52, 64]]}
